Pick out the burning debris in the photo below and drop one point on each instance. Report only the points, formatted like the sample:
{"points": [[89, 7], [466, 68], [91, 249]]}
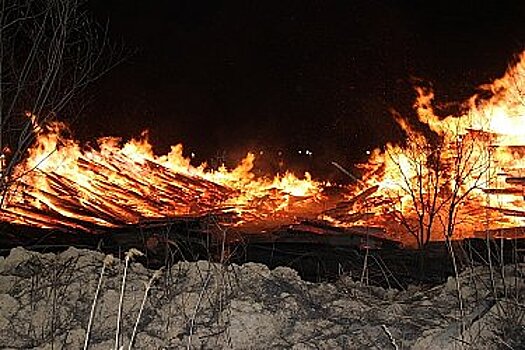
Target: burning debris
{"points": [[63, 186], [468, 175], [465, 175]]}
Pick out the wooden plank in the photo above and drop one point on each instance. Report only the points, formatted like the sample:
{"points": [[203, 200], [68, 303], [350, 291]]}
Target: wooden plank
{"points": [[509, 212], [515, 180], [509, 190]]}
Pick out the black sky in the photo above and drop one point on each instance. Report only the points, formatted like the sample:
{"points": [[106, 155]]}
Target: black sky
{"points": [[290, 75]]}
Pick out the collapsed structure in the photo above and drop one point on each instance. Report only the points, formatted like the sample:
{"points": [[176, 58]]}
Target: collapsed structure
{"points": [[453, 176]]}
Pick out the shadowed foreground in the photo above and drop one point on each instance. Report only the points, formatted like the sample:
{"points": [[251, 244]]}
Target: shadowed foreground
{"points": [[46, 299]]}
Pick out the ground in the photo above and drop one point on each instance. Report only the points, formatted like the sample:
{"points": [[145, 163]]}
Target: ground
{"points": [[46, 301]]}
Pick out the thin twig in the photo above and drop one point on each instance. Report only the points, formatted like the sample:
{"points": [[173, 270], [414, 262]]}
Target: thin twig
{"points": [[194, 316]]}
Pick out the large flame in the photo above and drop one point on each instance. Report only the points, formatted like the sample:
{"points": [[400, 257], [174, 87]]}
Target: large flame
{"points": [[64, 185], [453, 176]]}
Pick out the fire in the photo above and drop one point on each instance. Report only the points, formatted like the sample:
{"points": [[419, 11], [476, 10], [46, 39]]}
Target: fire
{"points": [[64, 185], [453, 176], [464, 174]]}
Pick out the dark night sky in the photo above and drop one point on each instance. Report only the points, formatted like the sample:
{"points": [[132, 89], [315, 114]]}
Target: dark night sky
{"points": [[289, 75]]}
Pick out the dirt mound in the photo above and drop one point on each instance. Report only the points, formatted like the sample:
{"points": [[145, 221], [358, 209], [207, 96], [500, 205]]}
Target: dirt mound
{"points": [[46, 301]]}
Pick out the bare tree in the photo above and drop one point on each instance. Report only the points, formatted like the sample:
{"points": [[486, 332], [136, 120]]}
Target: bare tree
{"points": [[50, 51], [437, 176]]}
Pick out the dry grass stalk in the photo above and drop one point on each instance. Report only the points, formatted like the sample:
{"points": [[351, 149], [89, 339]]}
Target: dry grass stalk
{"points": [[390, 336], [130, 254], [108, 260], [197, 305], [148, 285]]}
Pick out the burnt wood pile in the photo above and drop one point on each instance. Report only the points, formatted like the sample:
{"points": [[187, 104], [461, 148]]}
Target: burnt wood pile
{"points": [[113, 204], [317, 250]]}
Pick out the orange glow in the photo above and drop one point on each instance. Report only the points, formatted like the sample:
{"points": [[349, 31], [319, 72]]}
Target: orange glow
{"points": [[473, 167], [466, 169], [64, 185]]}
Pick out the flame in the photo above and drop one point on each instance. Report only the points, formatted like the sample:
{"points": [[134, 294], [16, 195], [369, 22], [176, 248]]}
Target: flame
{"points": [[64, 185], [452, 176], [466, 173]]}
